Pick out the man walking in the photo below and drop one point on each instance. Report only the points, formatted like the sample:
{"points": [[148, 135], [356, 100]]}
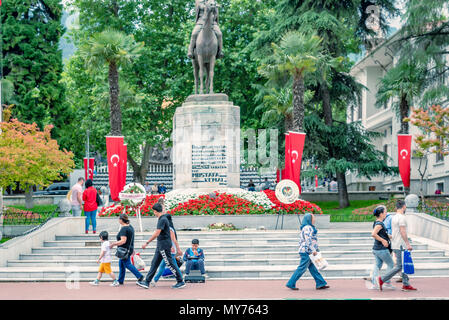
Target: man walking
{"points": [[399, 243], [77, 197], [163, 250]]}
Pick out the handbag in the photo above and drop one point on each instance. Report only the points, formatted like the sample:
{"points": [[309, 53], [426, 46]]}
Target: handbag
{"points": [[318, 260], [123, 253], [99, 201], [407, 263]]}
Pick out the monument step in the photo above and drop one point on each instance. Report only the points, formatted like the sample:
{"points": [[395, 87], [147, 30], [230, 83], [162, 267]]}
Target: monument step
{"points": [[229, 272], [230, 249], [223, 235], [216, 262], [185, 243], [148, 254]]}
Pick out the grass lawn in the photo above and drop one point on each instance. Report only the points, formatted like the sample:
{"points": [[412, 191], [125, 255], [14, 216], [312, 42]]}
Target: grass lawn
{"points": [[345, 215], [2, 240], [38, 208]]}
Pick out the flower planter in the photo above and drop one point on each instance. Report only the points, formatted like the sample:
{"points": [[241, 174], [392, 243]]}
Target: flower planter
{"points": [[290, 222]]}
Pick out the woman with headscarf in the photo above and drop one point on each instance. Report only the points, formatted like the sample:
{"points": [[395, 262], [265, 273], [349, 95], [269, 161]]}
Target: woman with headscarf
{"points": [[308, 244], [90, 205]]}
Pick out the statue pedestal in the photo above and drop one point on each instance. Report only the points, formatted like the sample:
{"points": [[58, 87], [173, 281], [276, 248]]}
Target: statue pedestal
{"points": [[206, 143]]}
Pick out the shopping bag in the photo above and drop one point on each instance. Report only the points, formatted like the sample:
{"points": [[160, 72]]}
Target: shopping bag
{"points": [[319, 262], [407, 263], [138, 262]]}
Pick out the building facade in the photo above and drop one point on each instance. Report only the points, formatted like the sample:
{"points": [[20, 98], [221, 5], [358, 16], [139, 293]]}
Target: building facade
{"points": [[369, 71]]}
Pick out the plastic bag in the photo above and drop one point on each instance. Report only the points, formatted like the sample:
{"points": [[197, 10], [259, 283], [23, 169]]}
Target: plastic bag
{"points": [[407, 263], [138, 262], [319, 262]]}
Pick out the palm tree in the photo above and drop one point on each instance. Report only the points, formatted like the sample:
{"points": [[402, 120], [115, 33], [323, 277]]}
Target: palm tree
{"points": [[115, 49], [401, 85], [292, 61]]}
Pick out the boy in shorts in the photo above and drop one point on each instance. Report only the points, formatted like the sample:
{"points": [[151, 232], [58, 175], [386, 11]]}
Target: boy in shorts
{"points": [[105, 261]]}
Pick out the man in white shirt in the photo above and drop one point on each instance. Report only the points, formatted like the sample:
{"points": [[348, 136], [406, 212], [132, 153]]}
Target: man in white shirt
{"points": [[399, 243], [77, 197]]}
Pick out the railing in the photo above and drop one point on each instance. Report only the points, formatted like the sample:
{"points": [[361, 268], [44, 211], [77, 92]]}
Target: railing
{"points": [[436, 209], [351, 218], [13, 216]]}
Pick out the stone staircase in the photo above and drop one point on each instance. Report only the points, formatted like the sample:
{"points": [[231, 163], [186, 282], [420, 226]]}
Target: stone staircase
{"points": [[229, 255]]}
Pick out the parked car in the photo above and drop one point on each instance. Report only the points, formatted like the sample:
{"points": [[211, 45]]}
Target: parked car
{"points": [[59, 188]]}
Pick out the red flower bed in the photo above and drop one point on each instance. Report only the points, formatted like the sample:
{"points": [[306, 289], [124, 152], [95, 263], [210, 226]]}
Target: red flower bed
{"points": [[299, 206], [220, 204]]}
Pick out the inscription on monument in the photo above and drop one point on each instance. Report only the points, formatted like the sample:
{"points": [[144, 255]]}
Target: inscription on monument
{"points": [[209, 165]]}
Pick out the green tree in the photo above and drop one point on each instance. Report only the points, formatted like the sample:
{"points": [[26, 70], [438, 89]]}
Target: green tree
{"points": [[31, 157], [344, 147], [293, 60], [400, 86], [32, 61], [114, 49]]}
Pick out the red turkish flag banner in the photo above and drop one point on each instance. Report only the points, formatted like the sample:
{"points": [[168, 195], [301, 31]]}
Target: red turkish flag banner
{"points": [[287, 172], [296, 149], [114, 145], [89, 175], [123, 165], [404, 157]]}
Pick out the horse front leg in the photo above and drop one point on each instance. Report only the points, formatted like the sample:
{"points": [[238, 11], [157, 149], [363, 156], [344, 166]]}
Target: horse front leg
{"points": [[211, 75], [195, 74], [201, 73]]}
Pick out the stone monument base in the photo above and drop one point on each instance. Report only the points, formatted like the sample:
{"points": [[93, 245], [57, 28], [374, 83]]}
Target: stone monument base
{"points": [[206, 143]]}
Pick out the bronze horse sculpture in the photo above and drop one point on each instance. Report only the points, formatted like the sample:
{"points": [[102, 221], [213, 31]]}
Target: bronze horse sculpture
{"points": [[205, 52]]}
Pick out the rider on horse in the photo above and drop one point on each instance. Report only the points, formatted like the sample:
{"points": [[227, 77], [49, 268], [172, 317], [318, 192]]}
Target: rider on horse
{"points": [[200, 6]]}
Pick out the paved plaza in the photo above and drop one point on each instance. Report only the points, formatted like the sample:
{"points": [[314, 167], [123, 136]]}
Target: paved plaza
{"points": [[428, 288]]}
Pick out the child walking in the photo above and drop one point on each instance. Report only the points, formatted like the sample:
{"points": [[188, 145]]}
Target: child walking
{"points": [[105, 260]]}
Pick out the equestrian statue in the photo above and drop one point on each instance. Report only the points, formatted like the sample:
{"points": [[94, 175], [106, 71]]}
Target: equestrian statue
{"points": [[206, 45]]}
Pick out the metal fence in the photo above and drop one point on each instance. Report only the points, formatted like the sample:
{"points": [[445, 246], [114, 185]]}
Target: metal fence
{"points": [[14, 216]]}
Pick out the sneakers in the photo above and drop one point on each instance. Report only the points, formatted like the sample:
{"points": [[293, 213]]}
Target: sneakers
{"points": [[143, 284], [115, 283], [408, 288], [323, 287], [95, 282], [389, 286], [179, 285], [380, 283], [292, 288], [152, 283]]}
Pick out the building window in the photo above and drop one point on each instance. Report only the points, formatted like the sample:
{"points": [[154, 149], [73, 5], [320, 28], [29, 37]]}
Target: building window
{"points": [[440, 187], [400, 188], [439, 157], [386, 152]]}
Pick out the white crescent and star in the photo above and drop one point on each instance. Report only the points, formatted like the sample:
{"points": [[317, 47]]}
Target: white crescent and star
{"points": [[118, 159], [297, 156], [406, 153]]}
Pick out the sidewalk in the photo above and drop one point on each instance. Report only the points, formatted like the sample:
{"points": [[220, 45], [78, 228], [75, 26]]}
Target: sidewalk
{"points": [[428, 288]]}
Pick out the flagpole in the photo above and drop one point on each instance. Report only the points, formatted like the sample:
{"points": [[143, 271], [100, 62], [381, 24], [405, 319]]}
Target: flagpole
{"points": [[1, 101]]}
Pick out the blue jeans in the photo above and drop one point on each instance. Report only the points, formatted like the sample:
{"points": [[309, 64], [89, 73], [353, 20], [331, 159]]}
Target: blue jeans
{"points": [[195, 264], [76, 211], [91, 216], [126, 264], [162, 267], [381, 256], [397, 268], [305, 264]]}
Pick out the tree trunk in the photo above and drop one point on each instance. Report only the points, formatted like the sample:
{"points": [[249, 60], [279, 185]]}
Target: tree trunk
{"points": [[298, 104], [114, 92], [327, 109], [404, 109], [29, 203], [288, 122], [343, 197], [140, 171]]}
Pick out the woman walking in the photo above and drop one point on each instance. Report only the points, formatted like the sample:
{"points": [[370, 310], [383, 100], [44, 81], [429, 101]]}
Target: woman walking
{"points": [[90, 205], [382, 246], [308, 244], [125, 239]]}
